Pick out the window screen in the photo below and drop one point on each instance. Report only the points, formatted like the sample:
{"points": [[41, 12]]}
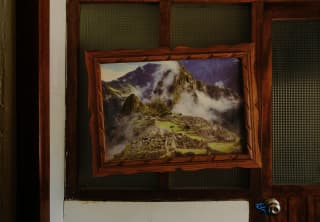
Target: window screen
{"points": [[108, 27], [208, 25], [296, 102], [136, 26], [204, 26]]}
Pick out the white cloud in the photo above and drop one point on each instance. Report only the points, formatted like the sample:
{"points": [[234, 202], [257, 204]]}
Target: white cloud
{"points": [[219, 84], [204, 105], [166, 66]]}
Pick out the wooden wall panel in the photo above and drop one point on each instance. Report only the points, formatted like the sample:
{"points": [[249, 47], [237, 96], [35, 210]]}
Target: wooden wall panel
{"points": [[7, 78], [43, 108], [297, 209], [313, 207]]}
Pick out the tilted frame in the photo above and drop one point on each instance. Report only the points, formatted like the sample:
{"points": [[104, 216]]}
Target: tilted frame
{"points": [[250, 159]]}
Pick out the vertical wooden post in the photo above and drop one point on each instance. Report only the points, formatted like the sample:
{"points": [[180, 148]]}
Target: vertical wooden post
{"points": [[7, 111], [165, 18], [73, 26], [44, 104], [32, 102]]}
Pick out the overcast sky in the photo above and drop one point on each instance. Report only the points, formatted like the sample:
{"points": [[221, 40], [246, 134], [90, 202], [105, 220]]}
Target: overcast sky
{"points": [[113, 71]]}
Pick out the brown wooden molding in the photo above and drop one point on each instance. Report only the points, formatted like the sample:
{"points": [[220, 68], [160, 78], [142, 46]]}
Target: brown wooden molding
{"points": [[199, 1], [44, 106], [73, 17], [212, 1], [7, 112], [263, 81], [32, 101], [244, 52], [164, 26], [255, 174], [118, 1]]}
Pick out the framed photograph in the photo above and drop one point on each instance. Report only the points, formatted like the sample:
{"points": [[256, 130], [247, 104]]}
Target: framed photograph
{"points": [[163, 109]]}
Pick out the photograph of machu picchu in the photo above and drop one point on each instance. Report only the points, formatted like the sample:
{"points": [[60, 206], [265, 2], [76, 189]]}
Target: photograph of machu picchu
{"points": [[166, 109], [160, 110]]}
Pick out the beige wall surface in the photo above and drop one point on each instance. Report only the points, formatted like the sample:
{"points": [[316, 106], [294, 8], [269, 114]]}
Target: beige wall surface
{"points": [[78, 211], [204, 211]]}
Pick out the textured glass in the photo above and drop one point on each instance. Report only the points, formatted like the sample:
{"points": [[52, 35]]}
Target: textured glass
{"points": [[208, 25], [296, 102], [136, 26], [108, 27], [119, 26], [208, 179], [203, 26]]}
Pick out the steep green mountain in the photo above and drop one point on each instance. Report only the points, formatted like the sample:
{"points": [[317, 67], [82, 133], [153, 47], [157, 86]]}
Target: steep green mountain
{"points": [[157, 112]]}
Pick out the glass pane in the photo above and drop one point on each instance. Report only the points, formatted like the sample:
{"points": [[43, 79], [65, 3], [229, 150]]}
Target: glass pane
{"points": [[119, 26], [202, 26], [208, 179], [296, 102], [208, 25], [108, 27]]}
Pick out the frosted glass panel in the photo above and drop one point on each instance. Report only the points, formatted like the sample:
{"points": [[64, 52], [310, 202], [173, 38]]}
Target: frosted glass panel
{"points": [[296, 102], [208, 25]]}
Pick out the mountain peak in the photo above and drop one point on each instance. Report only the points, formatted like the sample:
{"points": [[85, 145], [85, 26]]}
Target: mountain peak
{"points": [[141, 75], [132, 104]]}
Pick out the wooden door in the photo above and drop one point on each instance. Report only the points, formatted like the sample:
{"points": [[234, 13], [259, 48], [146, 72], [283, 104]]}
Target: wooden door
{"points": [[288, 64]]}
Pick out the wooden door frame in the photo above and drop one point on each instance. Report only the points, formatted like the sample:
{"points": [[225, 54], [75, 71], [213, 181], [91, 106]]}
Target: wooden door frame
{"points": [[32, 90], [277, 12], [73, 191], [7, 111], [292, 198], [260, 183]]}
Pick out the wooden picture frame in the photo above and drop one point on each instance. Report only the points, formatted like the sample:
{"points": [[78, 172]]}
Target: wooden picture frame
{"points": [[171, 125]]}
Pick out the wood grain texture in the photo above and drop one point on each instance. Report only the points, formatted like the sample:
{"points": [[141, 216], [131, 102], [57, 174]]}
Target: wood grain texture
{"points": [[289, 1], [261, 183], [198, 1], [276, 11], [32, 99], [297, 209], [302, 10], [266, 96], [256, 194], [100, 167], [313, 207], [7, 111], [27, 121], [44, 106], [295, 200], [118, 1], [165, 22], [73, 26], [173, 1], [291, 190], [212, 1]]}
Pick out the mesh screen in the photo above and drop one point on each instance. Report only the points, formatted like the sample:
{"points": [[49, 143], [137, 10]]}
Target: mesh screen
{"points": [[135, 26], [208, 25], [208, 179], [108, 27], [296, 102], [203, 26], [119, 26]]}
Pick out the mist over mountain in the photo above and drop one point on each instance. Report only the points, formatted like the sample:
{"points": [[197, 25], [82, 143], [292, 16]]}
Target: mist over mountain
{"points": [[143, 102], [180, 90]]}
